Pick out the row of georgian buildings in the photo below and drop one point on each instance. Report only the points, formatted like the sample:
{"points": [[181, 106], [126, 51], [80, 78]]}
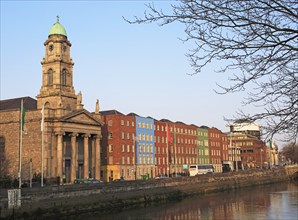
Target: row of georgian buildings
{"points": [[135, 146], [75, 143]]}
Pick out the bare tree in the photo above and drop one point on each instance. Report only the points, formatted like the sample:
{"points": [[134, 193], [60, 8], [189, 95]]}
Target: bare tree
{"points": [[258, 40], [290, 152]]}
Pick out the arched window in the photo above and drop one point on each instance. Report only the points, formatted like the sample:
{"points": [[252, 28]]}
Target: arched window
{"points": [[50, 77], [63, 77]]}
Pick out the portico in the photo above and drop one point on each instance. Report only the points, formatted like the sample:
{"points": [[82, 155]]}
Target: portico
{"points": [[77, 155]]}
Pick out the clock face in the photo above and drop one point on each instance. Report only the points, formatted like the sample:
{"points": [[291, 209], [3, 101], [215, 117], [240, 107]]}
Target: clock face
{"points": [[51, 47]]}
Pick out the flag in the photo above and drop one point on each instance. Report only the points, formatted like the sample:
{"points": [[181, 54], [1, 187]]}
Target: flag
{"points": [[170, 139], [270, 143], [22, 115], [42, 118]]}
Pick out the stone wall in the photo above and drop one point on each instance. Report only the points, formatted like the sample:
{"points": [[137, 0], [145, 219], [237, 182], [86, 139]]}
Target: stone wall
{"points": [[10, 131], [88, 198]]}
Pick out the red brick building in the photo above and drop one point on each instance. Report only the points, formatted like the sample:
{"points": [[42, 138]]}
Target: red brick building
{"points": [[118, 146], [225, 152], [161, 143], [185, 146], [215, 147], [252, 150]]}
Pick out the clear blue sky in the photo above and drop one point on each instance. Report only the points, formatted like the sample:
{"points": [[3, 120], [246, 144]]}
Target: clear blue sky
{"points": [[130, 68]]}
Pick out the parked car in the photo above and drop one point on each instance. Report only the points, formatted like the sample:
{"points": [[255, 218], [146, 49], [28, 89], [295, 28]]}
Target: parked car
{"points": [[80, 181], [94, 181], [161, 177]]}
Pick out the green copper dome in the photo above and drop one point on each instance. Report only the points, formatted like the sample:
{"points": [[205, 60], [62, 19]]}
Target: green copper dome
{"points": [[57, 28]]}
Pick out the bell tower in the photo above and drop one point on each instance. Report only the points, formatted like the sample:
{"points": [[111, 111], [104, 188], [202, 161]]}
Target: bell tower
{"points": [[57, 90]]}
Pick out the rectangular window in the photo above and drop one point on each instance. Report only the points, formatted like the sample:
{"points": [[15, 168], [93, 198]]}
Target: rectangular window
{"points": [[127, 136], [123, 148], [122, 122], [110, 123], [110, 135], [110, 148], [122, 135], [110, 160], [128, 150], [127, 123]]}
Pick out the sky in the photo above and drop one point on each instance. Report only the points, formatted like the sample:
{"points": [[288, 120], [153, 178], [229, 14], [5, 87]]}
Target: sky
{"points": [[130, 68]]}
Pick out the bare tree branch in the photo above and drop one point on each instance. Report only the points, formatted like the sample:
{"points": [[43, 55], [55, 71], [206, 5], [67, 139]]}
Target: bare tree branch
{"points": [[259, 41]]}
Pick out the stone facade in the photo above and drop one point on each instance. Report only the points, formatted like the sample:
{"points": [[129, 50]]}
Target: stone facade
{"points": [[31, 146], [69, 145]]}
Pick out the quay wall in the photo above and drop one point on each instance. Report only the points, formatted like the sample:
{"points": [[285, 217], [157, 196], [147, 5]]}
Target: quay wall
{"points": [[54, 201]]}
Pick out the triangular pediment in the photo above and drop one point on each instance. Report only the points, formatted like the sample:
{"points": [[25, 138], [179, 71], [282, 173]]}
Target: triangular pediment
{"points": [[81, 117]]}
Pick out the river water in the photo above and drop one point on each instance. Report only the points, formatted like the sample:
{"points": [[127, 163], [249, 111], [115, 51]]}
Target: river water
{"points": [[272, 202]]}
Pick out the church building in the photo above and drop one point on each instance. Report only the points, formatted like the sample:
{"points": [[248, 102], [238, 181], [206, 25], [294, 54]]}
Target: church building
{"points": [[60, 137]]}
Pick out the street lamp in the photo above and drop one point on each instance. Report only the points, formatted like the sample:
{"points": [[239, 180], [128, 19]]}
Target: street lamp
{"points": [[261, 150], [42, 142]]}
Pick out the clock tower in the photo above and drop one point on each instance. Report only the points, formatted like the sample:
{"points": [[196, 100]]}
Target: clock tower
{"points": [[57, 91]]}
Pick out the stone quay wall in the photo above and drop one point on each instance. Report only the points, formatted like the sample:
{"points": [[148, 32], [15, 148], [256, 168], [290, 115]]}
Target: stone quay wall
{"points": [[73, 199]]}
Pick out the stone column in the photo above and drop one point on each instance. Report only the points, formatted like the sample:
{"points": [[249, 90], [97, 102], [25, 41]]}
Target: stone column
{"points": [[93, 157], [97, 157], [86, 156], [74, 161], [59, 155]]}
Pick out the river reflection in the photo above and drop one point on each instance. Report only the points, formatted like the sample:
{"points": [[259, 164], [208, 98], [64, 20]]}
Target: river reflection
{"points": [[273, 202]]}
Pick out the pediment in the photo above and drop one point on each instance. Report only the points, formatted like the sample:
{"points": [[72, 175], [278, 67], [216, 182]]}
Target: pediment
{"points": [[81, 117]]}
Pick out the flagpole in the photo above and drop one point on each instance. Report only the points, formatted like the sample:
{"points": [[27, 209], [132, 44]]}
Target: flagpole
{"points": [[42, 143], [21, 143]]}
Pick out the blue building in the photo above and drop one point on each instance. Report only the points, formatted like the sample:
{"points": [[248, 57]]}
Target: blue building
{"points": [[145, 149]]}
